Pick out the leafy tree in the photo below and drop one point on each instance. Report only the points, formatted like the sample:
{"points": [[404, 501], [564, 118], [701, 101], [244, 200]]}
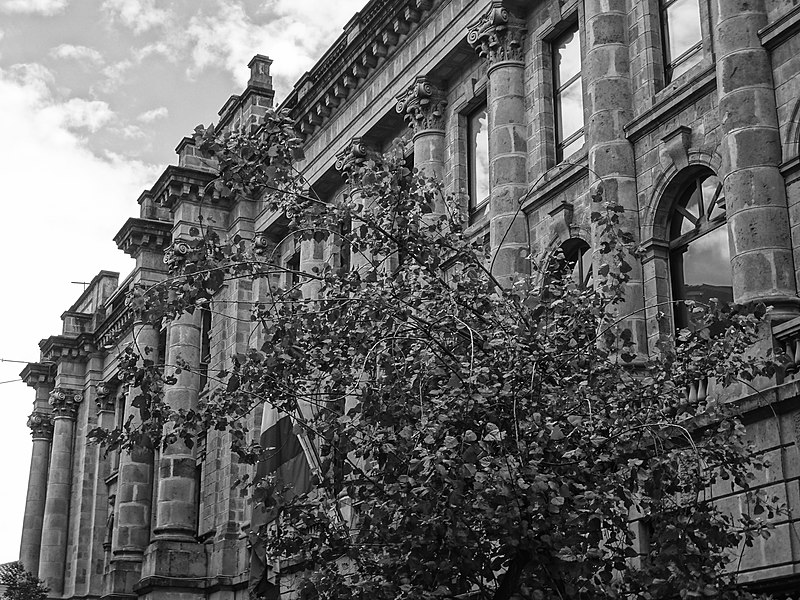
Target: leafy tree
{"points": [[21, 584], [469, 441]]}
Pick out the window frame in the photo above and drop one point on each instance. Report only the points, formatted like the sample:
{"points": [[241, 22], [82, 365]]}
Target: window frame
{"points": [[558, 89], [678, 243]]}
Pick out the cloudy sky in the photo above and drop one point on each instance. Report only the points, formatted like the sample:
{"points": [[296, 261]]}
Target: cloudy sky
{"points": [[94, 97]]}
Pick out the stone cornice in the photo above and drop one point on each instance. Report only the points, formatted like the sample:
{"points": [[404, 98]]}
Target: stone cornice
{"points": [[41, 424], [65, 402], [181, 184], [58, 347], [497, 35], [36, 374], [369, 38], [422, 106], [138, 235]]}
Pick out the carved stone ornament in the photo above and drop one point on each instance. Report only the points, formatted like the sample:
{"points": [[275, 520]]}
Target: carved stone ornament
{"points": [[263, 245], [353, 153], [106, 398], [65, 402], [422, 105], [497, 35], [41, 425]]}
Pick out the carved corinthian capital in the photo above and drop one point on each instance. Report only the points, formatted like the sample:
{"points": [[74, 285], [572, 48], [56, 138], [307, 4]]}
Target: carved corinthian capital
{"points": [[41, 425], [65, 402], [106, 398], [497, 35], [354, 152], [422, 105]]}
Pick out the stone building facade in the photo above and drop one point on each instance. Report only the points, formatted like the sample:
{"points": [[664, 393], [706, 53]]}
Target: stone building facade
{"points": [[686, 112]]}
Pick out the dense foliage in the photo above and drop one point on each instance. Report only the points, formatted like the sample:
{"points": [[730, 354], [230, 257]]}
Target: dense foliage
{"points": [[21, 584], [469, 440]]}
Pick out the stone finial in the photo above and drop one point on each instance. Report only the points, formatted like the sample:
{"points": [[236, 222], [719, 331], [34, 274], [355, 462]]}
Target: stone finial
{"points": [[106, 398], [355, 151], [41, 425], [422, 105], [259, 72], [65, 402], [497, 35]]}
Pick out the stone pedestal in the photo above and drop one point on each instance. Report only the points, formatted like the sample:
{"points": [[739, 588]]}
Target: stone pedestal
{"points": [[609, 103], [498, 36], [53, 553], [755, 192], [42, 431]]}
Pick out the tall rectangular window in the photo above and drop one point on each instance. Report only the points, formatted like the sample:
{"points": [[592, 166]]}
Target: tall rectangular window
{"points": [[683, 37], [568, 94], [478, 151]]}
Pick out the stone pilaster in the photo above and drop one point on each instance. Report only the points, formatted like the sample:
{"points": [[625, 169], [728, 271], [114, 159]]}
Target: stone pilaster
{"points": [[498, 36], [130, 531], [609, 102], [173, 550], [41, 425], [65, 404], [755, 193], [423, 105]]}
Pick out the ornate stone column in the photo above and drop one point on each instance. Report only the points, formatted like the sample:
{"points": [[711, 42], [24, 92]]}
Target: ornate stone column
{"points": [[498, 36], [65, 404], [173, 551], [130, 532], [41, 425], [755, 192], [422, 105], [355, 152], [609, 106]]}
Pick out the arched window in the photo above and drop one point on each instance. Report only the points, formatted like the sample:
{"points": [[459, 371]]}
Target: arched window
{"points": [[700, 261]]}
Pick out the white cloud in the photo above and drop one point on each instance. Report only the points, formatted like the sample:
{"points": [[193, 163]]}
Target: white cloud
{"points": [[137, 15], [40, 7], [151, 115], [78, 113], [65, 204], [88, 56]]}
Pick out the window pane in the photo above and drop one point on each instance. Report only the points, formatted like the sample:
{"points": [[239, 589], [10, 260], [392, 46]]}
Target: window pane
{"points": [[570, 110], [707, 267], [683, 26], [566, 58], [686, 64], [571, 148], [478, 157]]}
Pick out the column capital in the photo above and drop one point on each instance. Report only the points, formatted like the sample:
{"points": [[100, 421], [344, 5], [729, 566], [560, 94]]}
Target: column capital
{"points": [[106, 398], [65, 402], [497, 35], [422, 105], [41, 425], [354, 152]]}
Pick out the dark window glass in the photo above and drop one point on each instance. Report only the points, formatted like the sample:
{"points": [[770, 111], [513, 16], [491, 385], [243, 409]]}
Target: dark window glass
{"points": [[699, 251], [578, 255], [568, 94], [683, 38], [478, 150], [205, 345]]}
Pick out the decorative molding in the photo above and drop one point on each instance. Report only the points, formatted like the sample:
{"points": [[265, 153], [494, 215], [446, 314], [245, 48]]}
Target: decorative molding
{"points": [[41, 425], [422, 106], [139, 235], [65, 402], [497, 35], [36, 374]]}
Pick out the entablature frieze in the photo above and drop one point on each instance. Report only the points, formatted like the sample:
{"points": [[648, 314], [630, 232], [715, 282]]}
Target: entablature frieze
{"points": [[370, 38], [62, 347]]}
